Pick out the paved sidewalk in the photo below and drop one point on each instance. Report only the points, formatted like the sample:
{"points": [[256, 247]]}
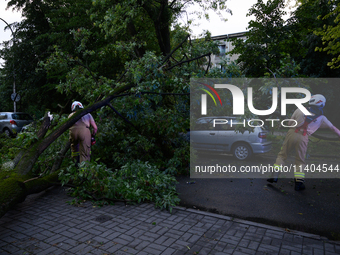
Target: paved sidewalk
{"points": [[46, 224]]}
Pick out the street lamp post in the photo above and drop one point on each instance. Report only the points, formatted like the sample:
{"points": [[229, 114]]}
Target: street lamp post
{"points": [[15, 104]]}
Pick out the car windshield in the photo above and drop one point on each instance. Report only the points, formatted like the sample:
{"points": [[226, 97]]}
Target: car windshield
{"points": [[21, 116]]}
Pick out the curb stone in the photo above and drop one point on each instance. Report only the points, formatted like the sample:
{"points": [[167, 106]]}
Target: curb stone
{"points": [[223, 217]]}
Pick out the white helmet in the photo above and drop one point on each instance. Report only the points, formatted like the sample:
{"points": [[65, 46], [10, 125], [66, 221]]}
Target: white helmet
{"points": [[76, 105], [318, 100]]}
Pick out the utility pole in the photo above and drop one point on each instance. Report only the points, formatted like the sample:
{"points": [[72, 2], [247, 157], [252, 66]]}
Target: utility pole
{"points": [[15, 95]]}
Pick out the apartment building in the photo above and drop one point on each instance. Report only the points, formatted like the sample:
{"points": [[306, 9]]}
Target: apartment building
{"points": [[225, 46]]}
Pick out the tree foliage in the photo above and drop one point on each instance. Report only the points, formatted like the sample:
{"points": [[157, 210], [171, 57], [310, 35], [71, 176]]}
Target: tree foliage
{"points": [[263, 47], [270, 39], [331, 35], [134, 182], [304, 26]]}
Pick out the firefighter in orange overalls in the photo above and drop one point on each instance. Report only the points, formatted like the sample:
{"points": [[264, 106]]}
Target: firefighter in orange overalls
{"points": [[297, 138], [80, 135]]}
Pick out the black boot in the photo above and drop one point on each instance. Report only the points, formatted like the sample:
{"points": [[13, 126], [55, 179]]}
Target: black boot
{"points": [[272, 180], [299, 186]]}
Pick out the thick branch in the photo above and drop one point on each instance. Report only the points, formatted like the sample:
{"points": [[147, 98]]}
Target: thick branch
{"points": [[176, 48], [133, 32], [61, 155], [31, 155], [44, 127], [165, 94], [14, 191], [186, 61], [40, 134], [206, 71]]}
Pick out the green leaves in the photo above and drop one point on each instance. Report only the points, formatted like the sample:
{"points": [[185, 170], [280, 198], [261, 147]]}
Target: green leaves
{"points": [[93, 48], [330, 36], [134, 182], [263, 46]]}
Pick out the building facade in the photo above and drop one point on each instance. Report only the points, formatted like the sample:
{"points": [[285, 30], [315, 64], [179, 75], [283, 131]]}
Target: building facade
{"points": [[225, 46]]}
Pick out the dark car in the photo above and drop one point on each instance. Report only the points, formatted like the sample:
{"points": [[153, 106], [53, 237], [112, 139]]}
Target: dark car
{"points": [[12, 122]]}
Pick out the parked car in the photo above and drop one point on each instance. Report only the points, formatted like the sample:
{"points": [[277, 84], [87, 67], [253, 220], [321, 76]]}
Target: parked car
{"points": [[223, 138], [12, 122]]}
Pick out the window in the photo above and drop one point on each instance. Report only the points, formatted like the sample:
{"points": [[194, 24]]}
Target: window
{"points": [[21, 116], [222, 50], [3, 116], [204, 124], [224, 126]]}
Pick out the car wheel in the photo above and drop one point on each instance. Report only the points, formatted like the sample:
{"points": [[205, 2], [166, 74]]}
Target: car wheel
{"points": [[8, 132], [242, 151]]}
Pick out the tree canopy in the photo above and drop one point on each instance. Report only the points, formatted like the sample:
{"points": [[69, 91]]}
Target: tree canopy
{"points": [[127, 60], [330, 34], [263, 47], [270, 38]]}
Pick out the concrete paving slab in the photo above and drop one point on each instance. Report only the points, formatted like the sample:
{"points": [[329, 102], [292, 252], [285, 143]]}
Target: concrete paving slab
{"points": [[142, 229]]}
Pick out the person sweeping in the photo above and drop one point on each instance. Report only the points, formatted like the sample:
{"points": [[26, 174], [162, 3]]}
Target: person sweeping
{"points": [[297, 138]]}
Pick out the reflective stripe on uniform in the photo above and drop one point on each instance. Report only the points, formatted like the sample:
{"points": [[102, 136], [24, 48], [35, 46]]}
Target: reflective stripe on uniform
{"points": [[278, 167], [299, 175], [74, 153]]}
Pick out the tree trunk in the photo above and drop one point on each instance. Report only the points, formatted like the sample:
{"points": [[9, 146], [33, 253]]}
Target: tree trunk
{"points": [[60, 157], [161, 16], [13, 190], [140, 51]]}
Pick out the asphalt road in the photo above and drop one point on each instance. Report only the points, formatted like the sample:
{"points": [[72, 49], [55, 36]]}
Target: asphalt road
{"points": [[315, 210]]}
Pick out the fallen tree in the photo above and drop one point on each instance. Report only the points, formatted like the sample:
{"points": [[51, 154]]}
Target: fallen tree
{"points": [[89, 52], [16, 184], [13, 185]]}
